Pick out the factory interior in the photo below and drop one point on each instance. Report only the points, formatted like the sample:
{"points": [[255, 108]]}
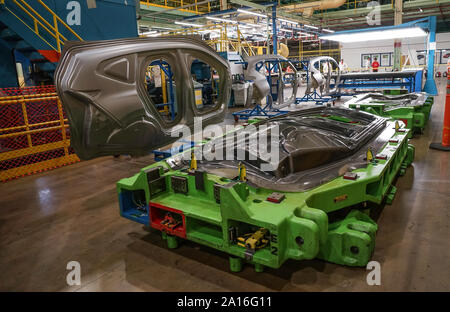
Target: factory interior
{"points": [[225, 146]]}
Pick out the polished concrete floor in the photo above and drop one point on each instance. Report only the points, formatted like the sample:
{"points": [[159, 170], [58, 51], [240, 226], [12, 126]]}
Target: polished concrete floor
{"points": [[71, 213]]}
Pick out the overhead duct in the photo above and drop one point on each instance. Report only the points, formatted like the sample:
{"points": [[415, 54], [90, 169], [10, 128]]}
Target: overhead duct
{"points": [[307, 9]]}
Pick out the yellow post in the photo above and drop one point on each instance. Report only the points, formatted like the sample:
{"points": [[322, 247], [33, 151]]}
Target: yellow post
{"points": [[164, 89], [25, 120], [36, 29], [193, 165], [63, 128], [239, 40], [58, 42], [226, 38]]}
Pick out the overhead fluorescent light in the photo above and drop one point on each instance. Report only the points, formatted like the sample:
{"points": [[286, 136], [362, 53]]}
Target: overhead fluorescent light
{"points": [[409, 32], [188, 24], [328, 30], [245, 26], [160, 27], [287, 21], [220, 20], [252, 13], [149, 32], [286, 30], [312, 27]]}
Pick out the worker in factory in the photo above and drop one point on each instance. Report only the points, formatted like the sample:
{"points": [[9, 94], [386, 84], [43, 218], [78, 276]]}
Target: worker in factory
{"points": [[367, 64], [375, 65], [343, 67], [326, 67]]}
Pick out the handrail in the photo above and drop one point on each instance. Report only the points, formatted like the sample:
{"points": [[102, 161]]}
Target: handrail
{"points": [[39, 21], [60, 20], [178, 5], [223, 40]]}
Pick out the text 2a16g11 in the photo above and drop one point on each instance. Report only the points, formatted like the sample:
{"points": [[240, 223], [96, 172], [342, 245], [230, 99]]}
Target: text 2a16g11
{"points": [[246, 301]]}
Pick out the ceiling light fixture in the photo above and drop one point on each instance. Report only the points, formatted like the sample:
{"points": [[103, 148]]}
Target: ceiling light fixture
{"points": [[220, 20], [407, 32], [287, 21], [188, 24], [252, 13], [312, 27], [328, 30], [148, 32]]}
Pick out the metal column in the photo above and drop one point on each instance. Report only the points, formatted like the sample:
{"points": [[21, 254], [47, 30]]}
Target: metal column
{"points": [[398, 42], [274, 29], [430, 84]]}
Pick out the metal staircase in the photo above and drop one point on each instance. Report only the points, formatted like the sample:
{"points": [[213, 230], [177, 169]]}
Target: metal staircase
{"points": [[34, 31]]}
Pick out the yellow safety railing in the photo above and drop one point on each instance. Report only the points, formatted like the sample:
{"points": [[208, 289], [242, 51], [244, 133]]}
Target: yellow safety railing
{"points": [[307, 54], [194, 7], [40, 24], [34, 133], [223, 42]]}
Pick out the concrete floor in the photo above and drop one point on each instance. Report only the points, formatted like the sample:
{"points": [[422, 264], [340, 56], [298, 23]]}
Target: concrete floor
{"points": [[71, 213]]}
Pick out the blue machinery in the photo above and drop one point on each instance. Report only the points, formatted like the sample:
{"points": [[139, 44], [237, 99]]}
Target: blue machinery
{"points": [[411, 80], [427, 24], [160, 155]]}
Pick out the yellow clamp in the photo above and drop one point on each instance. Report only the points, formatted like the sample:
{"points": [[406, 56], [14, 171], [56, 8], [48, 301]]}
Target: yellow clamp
{"points": [[193, 165]]}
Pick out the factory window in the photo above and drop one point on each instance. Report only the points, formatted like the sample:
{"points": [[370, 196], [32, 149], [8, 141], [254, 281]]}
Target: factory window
{"points": [[161, 87], [206, 85]]}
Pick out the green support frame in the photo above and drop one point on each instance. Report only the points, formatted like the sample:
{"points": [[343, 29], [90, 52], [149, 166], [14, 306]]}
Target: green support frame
{"points": [[218, 212], [414, 117]]}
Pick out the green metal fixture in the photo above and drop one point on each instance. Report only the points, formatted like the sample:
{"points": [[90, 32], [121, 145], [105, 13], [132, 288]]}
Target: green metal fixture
{"points": [[413, 109], [264, 226]]}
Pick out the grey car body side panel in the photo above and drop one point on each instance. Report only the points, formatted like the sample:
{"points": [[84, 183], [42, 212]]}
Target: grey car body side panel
{"points": [[318, 79], [102, 87], [261, 86]]}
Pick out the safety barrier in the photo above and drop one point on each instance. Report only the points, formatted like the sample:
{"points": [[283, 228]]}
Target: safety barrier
{"points": [[34, 134]]}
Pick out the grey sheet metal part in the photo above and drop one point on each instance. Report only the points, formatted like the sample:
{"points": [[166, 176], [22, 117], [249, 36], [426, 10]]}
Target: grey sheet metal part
{"points": [[102, 87], [261, 87], [389, 102], [314, 144], [318, 80]]}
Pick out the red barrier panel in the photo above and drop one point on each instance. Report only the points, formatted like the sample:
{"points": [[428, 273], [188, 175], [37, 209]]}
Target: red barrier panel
{"points": [[34, 134]]}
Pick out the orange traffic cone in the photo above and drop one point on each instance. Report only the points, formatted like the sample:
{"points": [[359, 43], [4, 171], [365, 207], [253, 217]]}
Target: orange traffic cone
{"points": [[445, 144]]}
